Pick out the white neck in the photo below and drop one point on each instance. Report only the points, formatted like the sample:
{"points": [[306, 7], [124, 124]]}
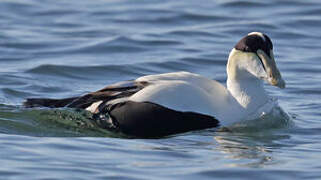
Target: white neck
{"points": [[249, 93], [246, 88]]}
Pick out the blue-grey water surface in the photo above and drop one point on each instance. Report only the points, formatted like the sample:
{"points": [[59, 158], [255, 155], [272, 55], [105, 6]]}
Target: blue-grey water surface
{"points": [[66, 47]]}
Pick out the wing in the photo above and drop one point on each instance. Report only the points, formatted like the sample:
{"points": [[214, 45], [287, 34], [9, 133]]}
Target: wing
{"points": [[111, 92]]}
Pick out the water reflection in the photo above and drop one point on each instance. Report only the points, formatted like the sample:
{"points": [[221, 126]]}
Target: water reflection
{"points": [[249, 149]]}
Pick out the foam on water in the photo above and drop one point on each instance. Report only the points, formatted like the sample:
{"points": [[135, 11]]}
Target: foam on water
{"points": [[277, 118]]}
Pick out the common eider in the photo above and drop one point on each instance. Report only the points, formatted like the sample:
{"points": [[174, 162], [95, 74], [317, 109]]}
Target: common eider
{"points": [[164, 104]]}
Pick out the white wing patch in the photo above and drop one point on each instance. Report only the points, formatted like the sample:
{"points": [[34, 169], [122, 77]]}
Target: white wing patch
{"points": [[93, 107]]}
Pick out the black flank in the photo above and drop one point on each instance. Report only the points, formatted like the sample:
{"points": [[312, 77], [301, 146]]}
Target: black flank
{"points": [[146, 119]]}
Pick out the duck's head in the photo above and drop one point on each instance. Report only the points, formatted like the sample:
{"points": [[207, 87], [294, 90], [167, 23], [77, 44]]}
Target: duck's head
{"points": [[252, 57]]}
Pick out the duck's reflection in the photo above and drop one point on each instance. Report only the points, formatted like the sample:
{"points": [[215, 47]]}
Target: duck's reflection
{"points": [[249, 149], [252, 143]]}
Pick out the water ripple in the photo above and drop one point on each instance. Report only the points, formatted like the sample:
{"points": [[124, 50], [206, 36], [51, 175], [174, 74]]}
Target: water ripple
{"points": [[65, 48]]}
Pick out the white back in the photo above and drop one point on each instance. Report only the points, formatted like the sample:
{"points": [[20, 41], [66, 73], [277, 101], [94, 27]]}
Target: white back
{"points": [[188, 92]]}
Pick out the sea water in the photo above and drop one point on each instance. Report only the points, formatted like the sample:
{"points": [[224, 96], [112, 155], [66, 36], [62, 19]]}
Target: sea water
{"points": [[67, 48]]}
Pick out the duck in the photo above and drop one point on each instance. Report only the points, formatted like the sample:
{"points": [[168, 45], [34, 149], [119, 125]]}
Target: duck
{"points": [[165, 104]]}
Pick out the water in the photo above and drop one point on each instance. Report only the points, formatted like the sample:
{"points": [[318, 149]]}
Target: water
{"points": [[67, 47]]}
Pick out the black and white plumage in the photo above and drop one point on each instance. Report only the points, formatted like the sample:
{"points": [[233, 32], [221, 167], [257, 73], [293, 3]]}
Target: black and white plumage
{"points": [[164, 104]]}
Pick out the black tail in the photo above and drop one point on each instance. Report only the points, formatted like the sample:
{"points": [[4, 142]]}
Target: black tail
{"points": [[44, 102]]}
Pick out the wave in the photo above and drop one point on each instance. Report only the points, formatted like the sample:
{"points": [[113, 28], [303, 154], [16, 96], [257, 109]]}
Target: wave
{"points": [[277, 118], [50, 123]]}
